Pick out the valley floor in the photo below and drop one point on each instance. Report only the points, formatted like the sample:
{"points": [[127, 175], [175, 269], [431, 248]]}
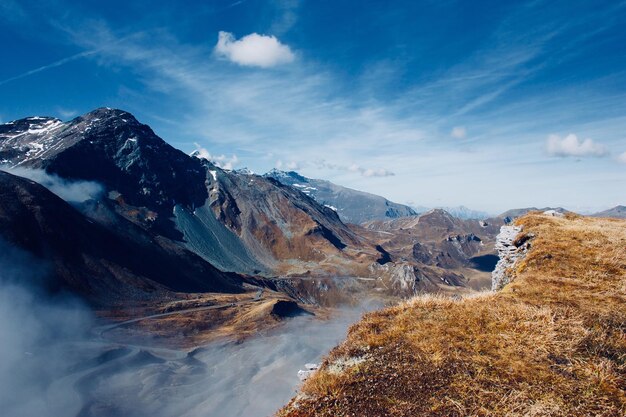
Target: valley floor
{"points": [[551, 343]]}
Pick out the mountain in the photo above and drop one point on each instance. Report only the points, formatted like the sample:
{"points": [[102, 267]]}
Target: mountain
{"points": [[465, 213], [108, 266], [352, 206], [238, 222], [515, 213], [438, 239], [618, 212], [277, 230]]}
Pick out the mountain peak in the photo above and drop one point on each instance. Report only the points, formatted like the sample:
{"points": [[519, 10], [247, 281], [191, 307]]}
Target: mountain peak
{"points": [[278, 174], [108, 115]]}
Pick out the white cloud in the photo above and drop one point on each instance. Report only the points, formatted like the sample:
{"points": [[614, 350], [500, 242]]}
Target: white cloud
{"points": [[67, 113], [570, 145], [379, 172], [253, 50], [221, 161], [290, 165], [458, 132], [366, 172], [70, 191], [622, 158]]}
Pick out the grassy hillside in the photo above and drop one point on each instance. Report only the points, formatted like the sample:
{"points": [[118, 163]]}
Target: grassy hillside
{"points": [[551, 343]]}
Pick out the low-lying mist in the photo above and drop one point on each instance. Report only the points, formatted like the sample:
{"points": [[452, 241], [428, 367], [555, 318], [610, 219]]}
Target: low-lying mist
{"points": [[74, 191], [53, 363]]}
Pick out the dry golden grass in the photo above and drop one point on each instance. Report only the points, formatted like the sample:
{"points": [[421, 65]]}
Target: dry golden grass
{"points": [[552, 343]]}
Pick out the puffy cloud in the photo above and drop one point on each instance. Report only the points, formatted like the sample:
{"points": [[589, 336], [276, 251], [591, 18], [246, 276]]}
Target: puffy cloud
{"points": [[221, 161], [570, 145], [458, 132], [253, 50], [622, 158]]}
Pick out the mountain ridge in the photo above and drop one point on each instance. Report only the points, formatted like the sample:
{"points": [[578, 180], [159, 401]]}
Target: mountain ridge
{"points": [[352, 206]]}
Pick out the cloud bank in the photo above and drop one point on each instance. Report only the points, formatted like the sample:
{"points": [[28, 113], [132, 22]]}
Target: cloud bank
{"points": [[253, 50], [622, 158], [70, 191], [570, 145]]}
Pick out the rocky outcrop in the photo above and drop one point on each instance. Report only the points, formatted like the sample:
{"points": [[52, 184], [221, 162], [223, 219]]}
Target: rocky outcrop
{"points": [[309, 369], [511, 247]]}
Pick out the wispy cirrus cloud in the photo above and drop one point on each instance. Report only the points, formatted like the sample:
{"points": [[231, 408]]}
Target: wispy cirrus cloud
{"points": [[309, 111], [51, 65]]}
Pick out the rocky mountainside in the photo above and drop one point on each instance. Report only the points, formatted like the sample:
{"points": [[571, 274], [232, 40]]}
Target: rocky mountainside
{"points": [[352, 206], [465, 213], [618, 212], [111, 147], [438, 239], [108, 266], [237, 222]]}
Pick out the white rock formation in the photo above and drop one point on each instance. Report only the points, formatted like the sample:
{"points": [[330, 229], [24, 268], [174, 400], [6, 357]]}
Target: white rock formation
{"points": [[309, 369], [553, 213], [401, 275], [508, 254]]}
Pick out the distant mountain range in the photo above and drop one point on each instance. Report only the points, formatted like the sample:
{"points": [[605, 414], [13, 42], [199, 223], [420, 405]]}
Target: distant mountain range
{"points": [[618, 212], [352, 206], [465, 213], [167, 223]]}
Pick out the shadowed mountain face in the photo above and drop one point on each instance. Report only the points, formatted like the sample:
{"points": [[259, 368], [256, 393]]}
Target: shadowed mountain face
{"points": [[352, 206], [241, 223], [105, 266], [113, 148]]}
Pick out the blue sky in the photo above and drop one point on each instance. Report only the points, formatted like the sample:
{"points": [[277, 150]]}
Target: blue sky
{"points": [[489, 104]]}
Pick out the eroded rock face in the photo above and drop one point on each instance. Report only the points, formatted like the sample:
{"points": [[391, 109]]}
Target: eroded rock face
{"points": [[510, 250]]}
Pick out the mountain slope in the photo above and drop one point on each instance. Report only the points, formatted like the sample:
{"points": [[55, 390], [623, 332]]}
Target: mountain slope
{"points": [[104, 266], [280, 225], [551, 343], [238, 222], [618, 212], [352, 206], [111, 147], [438, 239], [465, 213]]}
